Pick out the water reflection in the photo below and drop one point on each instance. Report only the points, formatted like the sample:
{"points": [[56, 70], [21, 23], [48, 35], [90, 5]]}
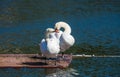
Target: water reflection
{"points": [[70, 72], [38, 72]]}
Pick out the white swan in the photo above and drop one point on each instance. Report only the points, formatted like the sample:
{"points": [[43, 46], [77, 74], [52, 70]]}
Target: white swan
{"points": [[49, 46], [66, 39]]}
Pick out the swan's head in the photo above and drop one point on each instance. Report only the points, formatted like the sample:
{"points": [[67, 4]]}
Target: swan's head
{"points": [[50, 30], [58, 25], [64, 25]]}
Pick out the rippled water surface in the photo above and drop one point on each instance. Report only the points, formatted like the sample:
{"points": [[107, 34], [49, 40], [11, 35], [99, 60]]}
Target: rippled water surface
{"points": [[95, 25]]}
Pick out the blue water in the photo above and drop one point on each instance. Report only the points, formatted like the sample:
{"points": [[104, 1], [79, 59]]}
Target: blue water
{"points": [[95, 26], [94, 23]]}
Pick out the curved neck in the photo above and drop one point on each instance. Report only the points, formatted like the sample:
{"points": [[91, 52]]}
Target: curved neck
{"points": [[67, 28]]}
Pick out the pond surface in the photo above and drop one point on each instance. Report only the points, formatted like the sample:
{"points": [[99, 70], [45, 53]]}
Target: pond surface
{"points": [[95, 25]]}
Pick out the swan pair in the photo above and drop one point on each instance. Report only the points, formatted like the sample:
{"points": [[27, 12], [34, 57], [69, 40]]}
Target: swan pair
{"points": [[56, 41]]}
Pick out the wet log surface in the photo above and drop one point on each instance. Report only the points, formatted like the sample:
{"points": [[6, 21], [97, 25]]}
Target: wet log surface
{"points": [[33, 61]]}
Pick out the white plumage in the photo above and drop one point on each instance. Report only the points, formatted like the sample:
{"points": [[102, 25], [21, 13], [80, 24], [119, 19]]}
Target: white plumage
{"points": [[57, 40], [49, 46], [66, 39]]}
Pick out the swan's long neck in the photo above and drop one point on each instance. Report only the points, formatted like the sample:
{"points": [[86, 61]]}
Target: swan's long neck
{"points": [[67, 28]]}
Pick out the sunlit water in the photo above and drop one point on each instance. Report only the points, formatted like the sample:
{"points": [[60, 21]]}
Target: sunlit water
{"points": [[95, 25], [80, 67]]}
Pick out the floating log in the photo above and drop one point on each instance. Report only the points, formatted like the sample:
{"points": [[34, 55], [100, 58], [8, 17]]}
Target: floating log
{"points": [[33, 61]]}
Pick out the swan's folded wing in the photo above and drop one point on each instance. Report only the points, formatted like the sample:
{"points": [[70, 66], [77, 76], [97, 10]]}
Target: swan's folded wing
{"points": [[66, 41]]}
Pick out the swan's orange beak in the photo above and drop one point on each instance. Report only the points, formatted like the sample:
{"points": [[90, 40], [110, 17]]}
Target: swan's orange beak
{"points": [[56, 30]]}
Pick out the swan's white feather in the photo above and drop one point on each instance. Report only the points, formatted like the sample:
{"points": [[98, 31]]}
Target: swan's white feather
{"points": [[50, 47], [66, 39]]}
